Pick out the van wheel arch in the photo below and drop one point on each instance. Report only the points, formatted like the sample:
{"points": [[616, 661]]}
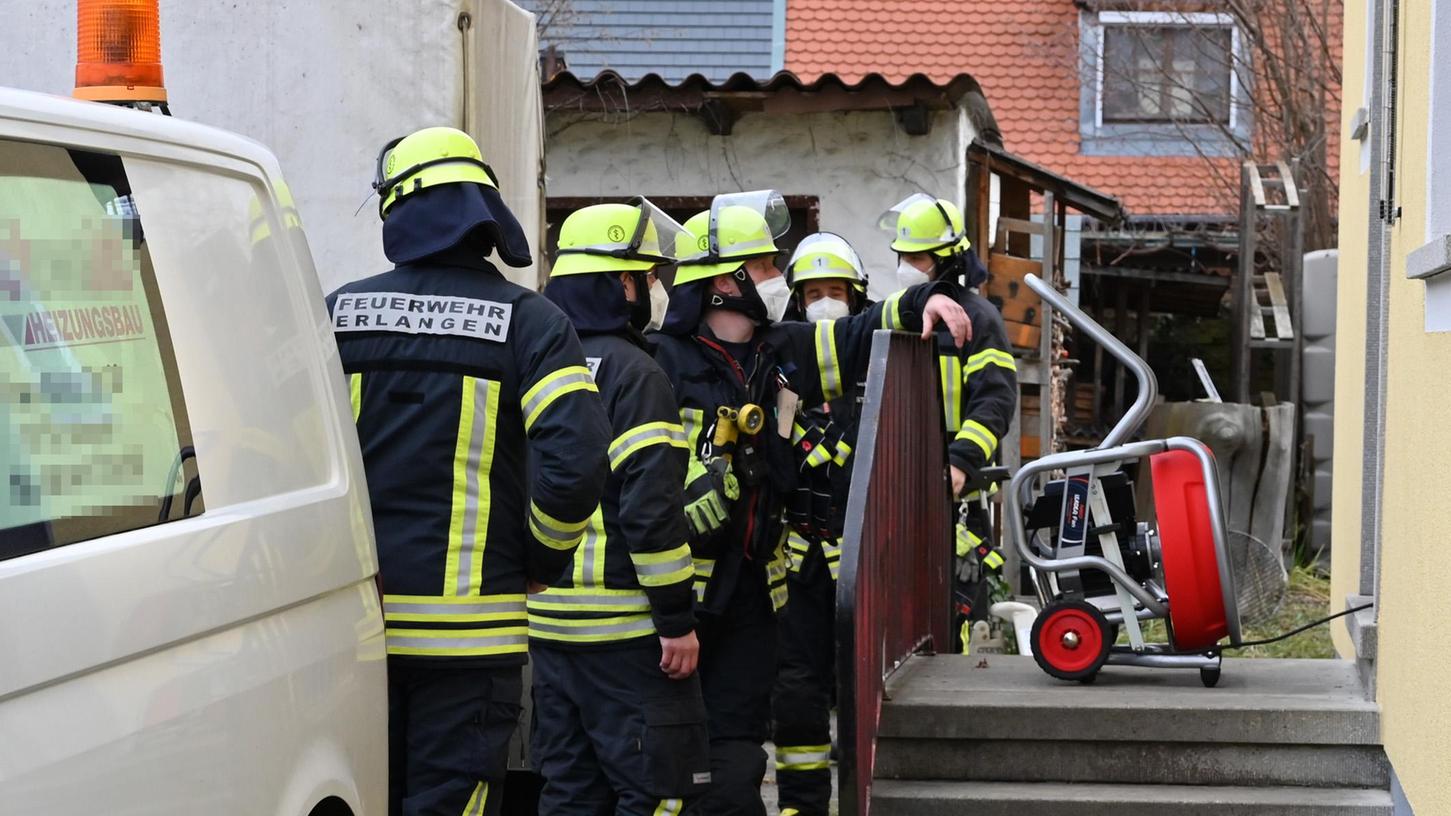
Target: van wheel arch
{"points": [[331, 806]]}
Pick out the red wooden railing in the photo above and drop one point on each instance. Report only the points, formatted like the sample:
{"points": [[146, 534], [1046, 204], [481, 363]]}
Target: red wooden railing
{"points": [[893, 596]]}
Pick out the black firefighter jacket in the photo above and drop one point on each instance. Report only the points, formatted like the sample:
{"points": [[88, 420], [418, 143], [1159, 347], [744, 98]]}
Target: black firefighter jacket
{"points": [[631, 576], [979, 385], [817, 362], [484, 442]]}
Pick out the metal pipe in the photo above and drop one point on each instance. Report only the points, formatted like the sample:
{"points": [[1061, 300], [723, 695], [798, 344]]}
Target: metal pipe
{"points": [[1135, 417], [1161, 661], [1013, 510], [1118, 617]]}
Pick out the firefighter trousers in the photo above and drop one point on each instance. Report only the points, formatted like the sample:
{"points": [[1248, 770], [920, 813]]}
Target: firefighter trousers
{"points": [[971, 589], [805, 688], [737, 670], [613, 735], [448, 737]]}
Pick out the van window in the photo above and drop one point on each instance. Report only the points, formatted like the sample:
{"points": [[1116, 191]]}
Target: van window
{"points": [[94, 438]]}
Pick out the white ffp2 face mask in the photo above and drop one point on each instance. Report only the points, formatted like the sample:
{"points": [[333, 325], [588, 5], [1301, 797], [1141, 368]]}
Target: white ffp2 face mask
{"points": [[909, 275], [776, 295], [826, 309], [659, 300]]}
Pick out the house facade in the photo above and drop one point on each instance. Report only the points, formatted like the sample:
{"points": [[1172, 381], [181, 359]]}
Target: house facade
{"points": [[1392, 384]]}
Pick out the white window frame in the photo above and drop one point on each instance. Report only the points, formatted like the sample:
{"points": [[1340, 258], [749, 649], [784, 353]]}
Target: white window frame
{"points": [[1438, 163], [1431, 263], [1162, 19]]}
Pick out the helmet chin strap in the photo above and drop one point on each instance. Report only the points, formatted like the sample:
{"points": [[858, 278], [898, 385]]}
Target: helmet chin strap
{"points": [[949, 268], [748, 302]]}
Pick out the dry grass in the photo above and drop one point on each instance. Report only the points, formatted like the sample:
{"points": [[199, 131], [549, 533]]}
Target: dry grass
{"points": [[1308, 600]]}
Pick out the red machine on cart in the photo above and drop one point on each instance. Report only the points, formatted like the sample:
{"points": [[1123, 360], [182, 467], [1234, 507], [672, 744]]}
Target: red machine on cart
{"points": [[1097, 569]]}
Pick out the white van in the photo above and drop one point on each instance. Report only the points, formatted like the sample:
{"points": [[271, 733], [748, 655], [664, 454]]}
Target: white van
{"points": [[188, 618]]}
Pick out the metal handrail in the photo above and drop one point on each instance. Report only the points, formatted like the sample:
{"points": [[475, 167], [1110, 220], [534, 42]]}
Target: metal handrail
{"points": [[1138, 413]]}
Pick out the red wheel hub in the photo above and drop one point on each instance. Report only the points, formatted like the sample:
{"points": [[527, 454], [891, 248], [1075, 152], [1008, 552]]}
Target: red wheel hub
{"points": [[1070, 640], [1186, 541]]}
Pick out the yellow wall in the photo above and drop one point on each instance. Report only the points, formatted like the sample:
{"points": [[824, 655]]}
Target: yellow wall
{"points": [[1413, 665], [1350, 329]]}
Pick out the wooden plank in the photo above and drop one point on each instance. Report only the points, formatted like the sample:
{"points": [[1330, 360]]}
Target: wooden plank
{"points": [[1244, 473], [1278, 302], [1191, 278], [1019, 226], [1008, 290], [1047, 353], [1031, 447], [1018, 310], [1256, 322], [1022, 335], [1267, 522], [1256, 184], [1287, 180]]}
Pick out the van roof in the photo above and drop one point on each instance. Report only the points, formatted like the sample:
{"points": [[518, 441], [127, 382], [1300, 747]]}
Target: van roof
{"points": [[48, 109]]}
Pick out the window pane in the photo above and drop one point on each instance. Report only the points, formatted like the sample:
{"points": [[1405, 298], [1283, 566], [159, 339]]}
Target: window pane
{"points": [[92, 424], [1167, 73]]}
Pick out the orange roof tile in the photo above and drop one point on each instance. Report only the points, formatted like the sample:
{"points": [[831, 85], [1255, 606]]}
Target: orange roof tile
{"points": [[1024, 55]]}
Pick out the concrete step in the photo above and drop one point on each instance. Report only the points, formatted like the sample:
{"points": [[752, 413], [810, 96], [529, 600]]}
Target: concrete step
{"points": [[1144, 763], [1269, 724], [1007, 697], [892, 798]]}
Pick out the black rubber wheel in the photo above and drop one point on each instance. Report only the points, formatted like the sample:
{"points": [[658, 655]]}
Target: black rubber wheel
{"points": [[1209, 677], [1071, 640], [1088, 681]]}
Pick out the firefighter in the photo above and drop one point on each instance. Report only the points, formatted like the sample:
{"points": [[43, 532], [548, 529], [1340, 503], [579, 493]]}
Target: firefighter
{"points": [[484, 443], [738, 381], [619, 722], [827, 283], [979, 384]]}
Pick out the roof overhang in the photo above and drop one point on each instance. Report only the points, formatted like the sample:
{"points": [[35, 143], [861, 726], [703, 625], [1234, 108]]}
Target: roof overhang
{"points": [[719, 104], [1086, 200]]}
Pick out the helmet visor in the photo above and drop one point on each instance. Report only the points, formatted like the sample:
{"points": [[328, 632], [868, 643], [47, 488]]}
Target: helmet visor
{"points": [[919, 223], [653, 239], [747, 224], [658, 237]]}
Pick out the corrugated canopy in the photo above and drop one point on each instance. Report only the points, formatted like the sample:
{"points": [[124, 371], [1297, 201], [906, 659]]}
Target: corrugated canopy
{"points": [[741, 93]]}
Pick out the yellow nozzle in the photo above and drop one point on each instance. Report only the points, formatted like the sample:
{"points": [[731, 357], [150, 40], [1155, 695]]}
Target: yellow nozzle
{"points": [[731, 422]]}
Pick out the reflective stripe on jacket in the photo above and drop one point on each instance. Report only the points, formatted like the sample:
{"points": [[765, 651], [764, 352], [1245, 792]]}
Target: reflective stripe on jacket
{"points": [[632, 576]]}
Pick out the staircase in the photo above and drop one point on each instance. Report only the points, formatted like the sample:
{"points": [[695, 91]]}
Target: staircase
{"points": [[992, 735]]}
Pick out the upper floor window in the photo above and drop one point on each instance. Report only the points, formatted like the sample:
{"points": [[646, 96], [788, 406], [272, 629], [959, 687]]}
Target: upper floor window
{"points": [[1162, 83], [1167, 73]]}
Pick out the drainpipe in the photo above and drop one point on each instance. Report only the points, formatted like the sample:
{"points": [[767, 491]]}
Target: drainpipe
{"points": [[1384, 213]]}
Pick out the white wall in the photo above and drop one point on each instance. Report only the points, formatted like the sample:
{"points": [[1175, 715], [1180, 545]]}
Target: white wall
{"points": [[858, 164], [323, 83]]}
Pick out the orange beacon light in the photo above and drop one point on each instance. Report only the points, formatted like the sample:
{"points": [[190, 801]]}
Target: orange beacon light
{"points": [[118, 51]]}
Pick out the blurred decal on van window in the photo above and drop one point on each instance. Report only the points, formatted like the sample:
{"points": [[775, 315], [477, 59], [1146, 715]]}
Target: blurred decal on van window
{"points": [[92, 423]]}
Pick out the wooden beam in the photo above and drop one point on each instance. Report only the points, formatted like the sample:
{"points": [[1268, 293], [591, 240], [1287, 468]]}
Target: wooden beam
{"points": [[1155, 275]]}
